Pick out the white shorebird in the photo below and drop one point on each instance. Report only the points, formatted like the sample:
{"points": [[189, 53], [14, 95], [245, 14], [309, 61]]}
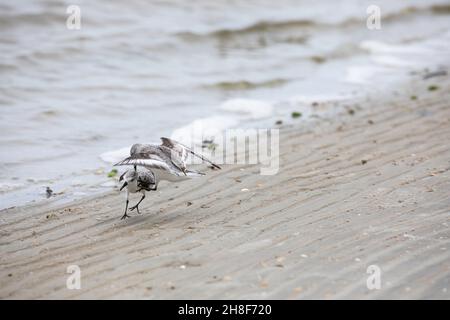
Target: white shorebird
{"points": [[166, 161], [137, 181]]}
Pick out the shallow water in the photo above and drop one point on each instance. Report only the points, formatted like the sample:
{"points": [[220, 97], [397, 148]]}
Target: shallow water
{"points": [[136, 71]]}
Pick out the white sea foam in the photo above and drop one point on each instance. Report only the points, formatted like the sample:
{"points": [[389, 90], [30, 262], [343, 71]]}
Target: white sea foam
{"points": [[9, 186], [363, 74], [249, 108], [379, 47], [397, 62], [408, 55], [115, 155], [201, 129], [389, 59]]}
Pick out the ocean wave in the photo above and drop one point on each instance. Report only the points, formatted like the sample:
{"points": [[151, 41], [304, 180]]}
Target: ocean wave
{"points": [[38, 19], [10, 186], [277, 26], [261, 26], [246, 85], [440, 8]]}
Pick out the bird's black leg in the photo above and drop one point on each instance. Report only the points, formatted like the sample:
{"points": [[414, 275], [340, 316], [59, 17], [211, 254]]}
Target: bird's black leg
{"points": [[125, 214], [137, 205]]}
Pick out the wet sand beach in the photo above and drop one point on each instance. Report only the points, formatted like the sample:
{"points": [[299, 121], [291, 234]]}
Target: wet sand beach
{"points": [[370, 187]]}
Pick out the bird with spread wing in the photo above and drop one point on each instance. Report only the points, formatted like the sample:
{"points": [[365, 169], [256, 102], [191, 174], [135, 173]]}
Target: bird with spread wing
{"points": [[167, 161]]}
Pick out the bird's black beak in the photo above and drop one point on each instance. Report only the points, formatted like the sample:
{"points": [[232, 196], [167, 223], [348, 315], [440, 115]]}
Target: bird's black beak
{"points": [[124, 185]]}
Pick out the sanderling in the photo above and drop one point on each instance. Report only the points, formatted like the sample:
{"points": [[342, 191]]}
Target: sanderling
{"points": [[137, 181], [167, 161]]}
